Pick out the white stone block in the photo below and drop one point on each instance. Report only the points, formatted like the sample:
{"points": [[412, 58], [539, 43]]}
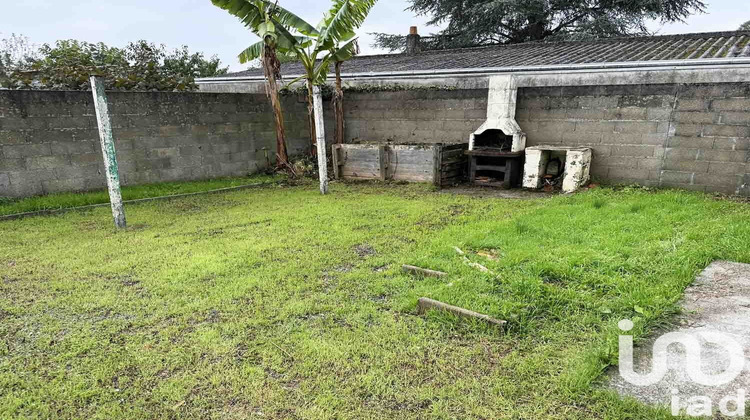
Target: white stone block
{"points": [[577, 166], [577, 169], [536, 163]]}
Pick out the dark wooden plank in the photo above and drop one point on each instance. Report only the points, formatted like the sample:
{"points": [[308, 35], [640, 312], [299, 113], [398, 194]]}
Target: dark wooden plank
{"points": [[452, 165], [437, 163], [452, 154], [382, 156], [335, 156], [485, 152], [496, 168]]}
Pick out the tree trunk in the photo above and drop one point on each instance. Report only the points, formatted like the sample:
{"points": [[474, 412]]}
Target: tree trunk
{"points": [[311, 116], [271, 70], [338, 107]]}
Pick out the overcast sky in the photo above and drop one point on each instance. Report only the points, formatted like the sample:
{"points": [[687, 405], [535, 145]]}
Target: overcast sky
{"points": [[204, 27]]}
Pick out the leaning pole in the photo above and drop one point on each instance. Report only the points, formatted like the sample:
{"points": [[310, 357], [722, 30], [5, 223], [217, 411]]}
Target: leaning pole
{"points": [[108, 151], [320, 139]]}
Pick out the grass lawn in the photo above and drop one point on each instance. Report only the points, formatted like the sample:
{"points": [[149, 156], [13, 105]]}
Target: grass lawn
{"points": [[281, 303], [67, 200]]}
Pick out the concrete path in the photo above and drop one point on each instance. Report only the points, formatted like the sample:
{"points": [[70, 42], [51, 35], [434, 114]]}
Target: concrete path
{"points": [[718, 301]]}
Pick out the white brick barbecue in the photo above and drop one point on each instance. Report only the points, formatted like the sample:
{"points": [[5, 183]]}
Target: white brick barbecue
{"points": [[577, 166], [501, 112]]}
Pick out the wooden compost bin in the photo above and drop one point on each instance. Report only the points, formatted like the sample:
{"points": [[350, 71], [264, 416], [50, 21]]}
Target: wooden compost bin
{"points": [[440, 164]]}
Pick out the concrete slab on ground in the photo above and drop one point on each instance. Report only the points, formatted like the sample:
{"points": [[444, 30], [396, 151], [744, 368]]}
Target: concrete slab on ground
{"points": [[718, 301]]}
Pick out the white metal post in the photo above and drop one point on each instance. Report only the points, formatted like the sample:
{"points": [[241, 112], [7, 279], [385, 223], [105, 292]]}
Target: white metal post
{"points": [[108, 151], [320, 139]]}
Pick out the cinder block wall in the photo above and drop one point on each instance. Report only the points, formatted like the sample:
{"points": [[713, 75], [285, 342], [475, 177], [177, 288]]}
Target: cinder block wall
{"points": [[49, 140], [687, 136], [414, 116]]}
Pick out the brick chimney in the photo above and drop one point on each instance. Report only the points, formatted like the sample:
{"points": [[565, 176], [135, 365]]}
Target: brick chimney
{"points": [[412, 41]]}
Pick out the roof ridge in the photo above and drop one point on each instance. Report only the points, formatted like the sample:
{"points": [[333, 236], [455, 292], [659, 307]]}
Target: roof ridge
{"points": [[691, 35], [648, 48]]}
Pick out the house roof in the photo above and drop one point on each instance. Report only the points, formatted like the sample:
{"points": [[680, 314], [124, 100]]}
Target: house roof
{"points": [[611, 50]]}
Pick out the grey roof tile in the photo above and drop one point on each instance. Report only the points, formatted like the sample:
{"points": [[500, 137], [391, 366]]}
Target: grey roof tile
{"points": [[665, 47]]}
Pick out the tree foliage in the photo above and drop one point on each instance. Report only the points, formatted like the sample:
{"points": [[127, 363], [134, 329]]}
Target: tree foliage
{"points": [[483, 22], [745, 26], [17, 54], [141, 65]]}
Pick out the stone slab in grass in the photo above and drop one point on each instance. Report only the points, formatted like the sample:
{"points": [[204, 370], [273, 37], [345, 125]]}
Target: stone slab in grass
{"points": [[717, 303]]}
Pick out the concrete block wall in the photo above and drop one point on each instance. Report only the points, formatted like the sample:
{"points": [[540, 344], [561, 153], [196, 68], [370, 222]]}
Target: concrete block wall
{"points": [[49, 140], [709, 145], [414, 116], [691, 136], [687, 136], [625, 126]]}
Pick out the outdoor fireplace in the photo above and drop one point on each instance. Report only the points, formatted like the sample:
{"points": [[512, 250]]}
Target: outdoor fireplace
{"points": [[493, 139], [496, 147]]}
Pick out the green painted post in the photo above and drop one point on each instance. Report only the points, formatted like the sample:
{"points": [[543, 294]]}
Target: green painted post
{"points": [[108, 151]]}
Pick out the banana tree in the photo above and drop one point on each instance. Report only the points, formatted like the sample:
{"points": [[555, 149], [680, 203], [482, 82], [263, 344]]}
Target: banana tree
{"points": [[269, 21], [341, 53], [333, 41]]}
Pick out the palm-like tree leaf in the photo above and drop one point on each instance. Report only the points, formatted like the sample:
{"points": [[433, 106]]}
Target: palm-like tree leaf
{"points": [[346, 51], [246, 11], [286, 42], [253, 12], [341, 20], [252, 52], [321, 70], [287, 18]]}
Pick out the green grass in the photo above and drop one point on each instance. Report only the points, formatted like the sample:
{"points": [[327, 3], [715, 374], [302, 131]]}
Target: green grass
{"points": [[282, 303], [68, 200]]}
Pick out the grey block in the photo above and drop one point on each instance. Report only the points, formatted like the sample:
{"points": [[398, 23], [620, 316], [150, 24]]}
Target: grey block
{"points": [[731, 104], [726, 131], [675, 177]]}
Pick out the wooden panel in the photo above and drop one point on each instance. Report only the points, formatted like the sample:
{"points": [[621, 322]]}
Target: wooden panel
{"points": [[454, 165], [359, 161], [335, 150], [434, 163], [411, 163]]}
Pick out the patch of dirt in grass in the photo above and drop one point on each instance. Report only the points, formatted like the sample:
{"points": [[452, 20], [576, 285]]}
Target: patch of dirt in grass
{"points": [[185, 206], [137, 227], [212, 232], [9, 280], [490, 254], [552, 278], [379, 298], [88, 225], [364, 250], [456, 210], [380, 268], [343, 268], [240, 352], [489, 192], [236, 409], [129, 281], [213, 316]]}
